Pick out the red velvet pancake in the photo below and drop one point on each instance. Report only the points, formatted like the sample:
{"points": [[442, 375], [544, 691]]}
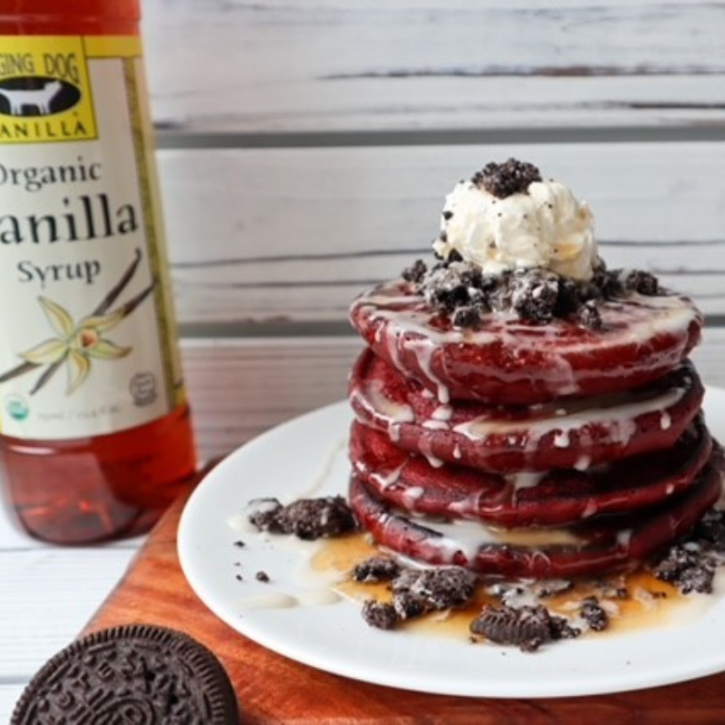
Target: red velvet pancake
{"points": [[562, 434], [513, 362], [603, 544], [553, 498]]}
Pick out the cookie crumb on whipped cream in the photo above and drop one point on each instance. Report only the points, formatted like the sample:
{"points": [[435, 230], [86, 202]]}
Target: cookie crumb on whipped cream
{"points": [[512, 242]]}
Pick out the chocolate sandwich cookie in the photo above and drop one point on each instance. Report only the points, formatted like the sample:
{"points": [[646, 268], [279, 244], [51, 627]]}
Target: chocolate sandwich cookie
{"points": [[135, 673]]}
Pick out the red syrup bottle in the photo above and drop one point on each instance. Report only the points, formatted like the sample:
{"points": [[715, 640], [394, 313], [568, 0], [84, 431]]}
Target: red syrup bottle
{"points": [[95, 431]]}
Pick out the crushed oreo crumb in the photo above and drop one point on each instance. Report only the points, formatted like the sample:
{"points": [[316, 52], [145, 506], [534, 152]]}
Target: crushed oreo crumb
{"points": [[642, 282], [307, 519], [240, 544], [415, 591], [691, 563], [416, 271], [408, 605], [460, 290], [262, 576], [449, 290], [594, 615], [534, 295], [526, 627], [264, 513], [435, 589], [562, 629], [511, 177], [685, 566], [710, 531], [379, 614], [467, 317], [376, 569], [588, 316]]}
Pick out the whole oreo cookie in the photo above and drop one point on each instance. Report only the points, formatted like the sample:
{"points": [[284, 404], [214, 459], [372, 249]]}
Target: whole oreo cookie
{"points": [[136, 673]]}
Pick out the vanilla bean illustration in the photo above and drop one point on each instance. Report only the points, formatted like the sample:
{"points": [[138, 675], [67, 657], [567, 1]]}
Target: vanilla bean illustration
{"points": [[128, 307], [47, 375], [114, 292], [21, 369], [101, 309], [125, 310]]}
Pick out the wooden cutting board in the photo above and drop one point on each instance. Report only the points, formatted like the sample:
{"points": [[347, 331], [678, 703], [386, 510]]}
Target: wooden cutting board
{"points": [[273, 689]]}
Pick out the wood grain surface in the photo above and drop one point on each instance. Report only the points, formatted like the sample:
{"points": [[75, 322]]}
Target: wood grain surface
{"points": [[293, 235], [329, 65], [306, 148], [273, 689]]}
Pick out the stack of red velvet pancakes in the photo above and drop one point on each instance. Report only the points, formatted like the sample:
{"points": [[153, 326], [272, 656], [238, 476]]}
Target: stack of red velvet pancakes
{"points": [[521, 410]]}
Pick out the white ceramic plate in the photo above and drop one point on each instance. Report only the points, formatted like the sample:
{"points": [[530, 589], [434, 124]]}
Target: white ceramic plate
{"points": [[307, 456]]}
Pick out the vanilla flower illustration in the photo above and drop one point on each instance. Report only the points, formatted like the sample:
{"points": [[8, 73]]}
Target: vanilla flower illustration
{"points": [[76, 344]]}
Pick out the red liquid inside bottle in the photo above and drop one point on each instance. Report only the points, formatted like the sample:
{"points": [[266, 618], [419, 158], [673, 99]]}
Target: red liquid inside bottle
{"points": [[95, 432]]}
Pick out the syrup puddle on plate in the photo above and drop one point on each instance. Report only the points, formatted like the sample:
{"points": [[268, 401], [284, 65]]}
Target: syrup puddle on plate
{"points": [[648, 602]]}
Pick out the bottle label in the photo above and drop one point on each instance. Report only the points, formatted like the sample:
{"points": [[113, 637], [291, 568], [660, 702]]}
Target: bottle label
{"points": [[87, 338]]}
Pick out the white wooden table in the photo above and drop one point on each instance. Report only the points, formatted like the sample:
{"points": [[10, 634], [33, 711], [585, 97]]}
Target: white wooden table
{"points": [[304, 152]]}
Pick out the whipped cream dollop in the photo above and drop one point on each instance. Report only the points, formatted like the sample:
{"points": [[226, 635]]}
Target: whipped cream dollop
{"points": [[508, 218]]}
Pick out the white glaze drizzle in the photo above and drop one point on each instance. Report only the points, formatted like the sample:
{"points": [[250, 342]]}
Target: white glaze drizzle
{"points": [[638, 318], [469, 536], [614, 412], [435, 425], [272, 600], [282, 600], [442, 413], [241, 524], [385, 480]]}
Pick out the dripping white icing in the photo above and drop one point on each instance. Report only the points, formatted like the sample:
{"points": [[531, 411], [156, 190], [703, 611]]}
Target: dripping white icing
{"points": [[637, 318], [616, 412], [385, 480]]}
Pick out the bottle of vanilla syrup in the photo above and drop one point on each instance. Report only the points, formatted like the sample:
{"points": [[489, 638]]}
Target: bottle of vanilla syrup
{"points": [[95, 431]]}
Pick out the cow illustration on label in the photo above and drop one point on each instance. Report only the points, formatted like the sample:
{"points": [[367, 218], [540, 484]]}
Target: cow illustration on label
{"points": [[38, 98]]}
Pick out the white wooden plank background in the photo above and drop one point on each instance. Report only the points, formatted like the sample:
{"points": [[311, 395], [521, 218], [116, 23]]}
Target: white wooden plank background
{"points": [[256, 384], [293, 65], [292, 234], [295, 234]]}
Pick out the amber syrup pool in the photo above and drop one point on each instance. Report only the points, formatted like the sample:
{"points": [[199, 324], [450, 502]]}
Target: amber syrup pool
{"points": [[635, 600]]}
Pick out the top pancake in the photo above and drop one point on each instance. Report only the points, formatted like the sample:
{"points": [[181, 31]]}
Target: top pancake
{"points": [[514, 362]]}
